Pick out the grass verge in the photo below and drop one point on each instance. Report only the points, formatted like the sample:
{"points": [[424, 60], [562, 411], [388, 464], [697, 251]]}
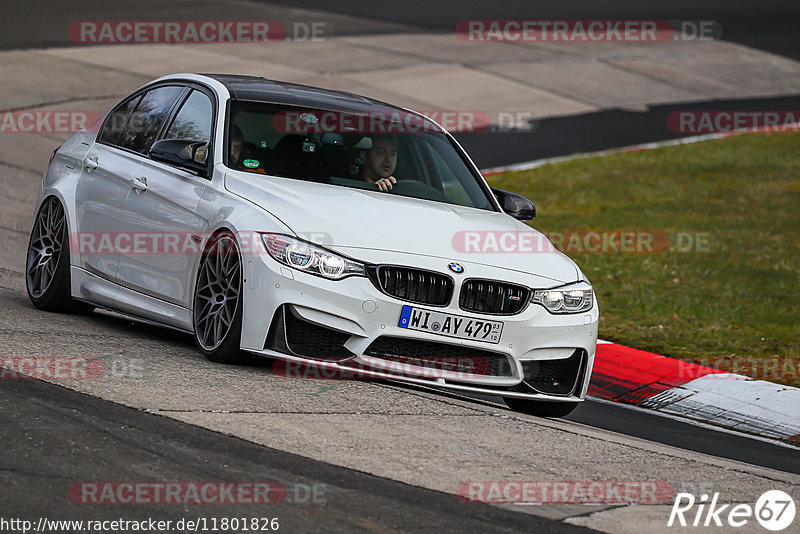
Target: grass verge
{"points": [[721, 286]]}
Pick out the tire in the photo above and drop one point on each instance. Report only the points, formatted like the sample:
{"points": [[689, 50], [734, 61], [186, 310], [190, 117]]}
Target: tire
{"points": [[47, 277], [217, 302], [540, 408]]}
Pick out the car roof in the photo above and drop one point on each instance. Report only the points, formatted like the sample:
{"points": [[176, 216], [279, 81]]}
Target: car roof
{"points": [[258, 89]]}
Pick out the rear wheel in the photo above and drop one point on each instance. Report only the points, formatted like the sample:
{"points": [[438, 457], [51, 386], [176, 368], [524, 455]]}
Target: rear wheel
{"points": [[47, 267], [217, 311], [540, 408]]}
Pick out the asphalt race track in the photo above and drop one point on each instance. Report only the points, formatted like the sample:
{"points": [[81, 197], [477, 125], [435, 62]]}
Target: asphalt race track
{"points": [[770, 26], [384, 457], [55, 435]]}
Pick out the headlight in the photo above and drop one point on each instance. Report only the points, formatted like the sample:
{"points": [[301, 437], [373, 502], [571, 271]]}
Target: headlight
{"points": [[310, 258], [574, 298]]}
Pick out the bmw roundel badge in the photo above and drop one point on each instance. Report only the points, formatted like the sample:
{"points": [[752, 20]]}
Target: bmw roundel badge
{"points": [[456, 268]]}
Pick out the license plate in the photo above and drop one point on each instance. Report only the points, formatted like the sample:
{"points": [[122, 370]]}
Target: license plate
{"points": [[449, 325]]}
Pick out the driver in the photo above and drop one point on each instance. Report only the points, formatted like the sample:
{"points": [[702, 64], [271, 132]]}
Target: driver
{"points": [[381, 161]]}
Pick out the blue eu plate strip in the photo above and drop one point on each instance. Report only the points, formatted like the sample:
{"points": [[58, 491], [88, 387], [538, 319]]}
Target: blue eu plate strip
{"points": [[405, 317]]}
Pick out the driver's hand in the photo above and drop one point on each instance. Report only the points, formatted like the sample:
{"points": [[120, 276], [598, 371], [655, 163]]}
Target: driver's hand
{"points": [[385, 184]]}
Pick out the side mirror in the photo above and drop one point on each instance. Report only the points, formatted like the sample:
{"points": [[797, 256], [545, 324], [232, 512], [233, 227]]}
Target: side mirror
{"points": [[515, 205], [186, 154]]}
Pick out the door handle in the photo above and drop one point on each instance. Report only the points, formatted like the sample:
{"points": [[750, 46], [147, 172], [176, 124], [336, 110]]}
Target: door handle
{"points": [[91, 163], [139, 184]]}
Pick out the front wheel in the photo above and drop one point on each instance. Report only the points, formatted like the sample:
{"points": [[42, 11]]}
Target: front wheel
{"points": [[540, 408], [217, 311]]}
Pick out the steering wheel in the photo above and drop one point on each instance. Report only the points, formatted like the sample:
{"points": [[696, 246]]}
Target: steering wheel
{"points": [[417, 189]]}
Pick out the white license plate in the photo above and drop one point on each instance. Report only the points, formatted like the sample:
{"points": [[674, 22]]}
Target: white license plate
{"points": [[449, 325]]}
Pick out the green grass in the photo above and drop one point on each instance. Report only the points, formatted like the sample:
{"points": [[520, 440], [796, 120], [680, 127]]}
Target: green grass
{"points": [[734, 303]]}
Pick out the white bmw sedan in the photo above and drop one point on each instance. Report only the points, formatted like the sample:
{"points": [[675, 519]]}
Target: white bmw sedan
{"points": [[321, 228]]}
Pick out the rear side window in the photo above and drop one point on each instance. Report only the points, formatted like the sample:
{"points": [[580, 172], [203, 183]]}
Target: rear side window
{"points": [[193, 121], [116, 122], [148, 118]]}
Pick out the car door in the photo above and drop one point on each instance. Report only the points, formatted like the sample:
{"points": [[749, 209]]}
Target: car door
{"points": [[101, 193], [164, 206]]}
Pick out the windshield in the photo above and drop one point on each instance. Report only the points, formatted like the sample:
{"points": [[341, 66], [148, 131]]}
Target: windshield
{"points": [[348, 149]]}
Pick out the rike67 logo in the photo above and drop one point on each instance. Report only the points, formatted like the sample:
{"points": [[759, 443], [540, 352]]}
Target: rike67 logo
{"points": [[774, 510]]}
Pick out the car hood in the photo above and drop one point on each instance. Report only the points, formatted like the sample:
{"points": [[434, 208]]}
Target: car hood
{"points": [[358, 220]]}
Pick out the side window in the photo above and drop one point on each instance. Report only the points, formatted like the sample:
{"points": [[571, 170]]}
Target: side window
{"points": [[148, 118], [193, 121], [116, 122]]}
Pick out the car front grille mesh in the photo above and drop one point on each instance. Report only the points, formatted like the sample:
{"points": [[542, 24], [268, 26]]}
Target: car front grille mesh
{"points": [[290, 334], [440, 356], [554, 377], [491, 296], [413, 285]]}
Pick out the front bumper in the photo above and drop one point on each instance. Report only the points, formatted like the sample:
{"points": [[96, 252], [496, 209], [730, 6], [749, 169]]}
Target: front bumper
{"points": [[364, 318]]}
